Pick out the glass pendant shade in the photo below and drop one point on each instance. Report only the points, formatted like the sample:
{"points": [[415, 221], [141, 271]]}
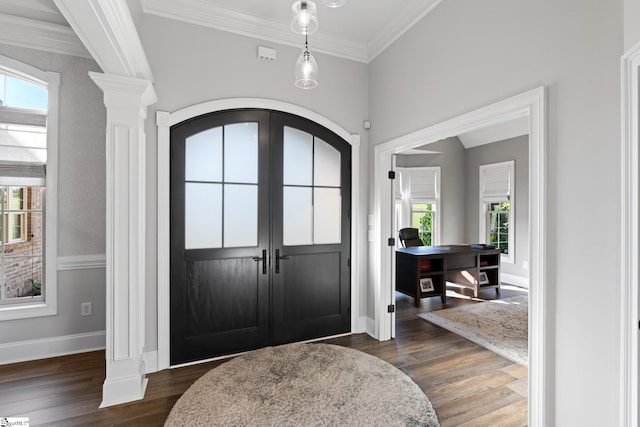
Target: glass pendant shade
{"points": [[305, 19], [306, 71], [334, 3]]}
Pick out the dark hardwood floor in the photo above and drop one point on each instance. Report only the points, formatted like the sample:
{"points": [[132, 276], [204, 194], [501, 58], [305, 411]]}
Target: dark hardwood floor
{"points": [[468, 385]]}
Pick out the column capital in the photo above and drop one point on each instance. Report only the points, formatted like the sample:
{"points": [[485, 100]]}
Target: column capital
{"points": [[125, 92]]}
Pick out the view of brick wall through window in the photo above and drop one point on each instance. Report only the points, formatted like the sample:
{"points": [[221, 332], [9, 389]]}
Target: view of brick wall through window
{"points": [[22, 249]]}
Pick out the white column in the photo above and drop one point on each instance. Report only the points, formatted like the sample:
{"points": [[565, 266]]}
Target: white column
{"points": [[126, 100]]}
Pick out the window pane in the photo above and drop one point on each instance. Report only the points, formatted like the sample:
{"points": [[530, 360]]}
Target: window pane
{"points": [[326, 168], [326, 215], [203, 216], [240, 215], [22, 276], [22, 94], [28, 240], [297, 157], [2, 89], [297, 216], [241, 153], [203, 156]]}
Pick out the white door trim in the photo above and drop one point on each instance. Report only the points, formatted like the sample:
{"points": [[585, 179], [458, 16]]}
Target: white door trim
{"points": [[164, 121], [529, 104], [629, 250]]}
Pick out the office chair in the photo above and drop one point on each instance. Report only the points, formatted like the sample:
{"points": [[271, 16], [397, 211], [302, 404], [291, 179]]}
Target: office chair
{"points": [[409, 237]]}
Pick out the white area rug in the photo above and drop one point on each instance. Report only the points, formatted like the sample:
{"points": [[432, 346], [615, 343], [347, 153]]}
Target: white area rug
{"points": [[304, 385], [498, 325]]}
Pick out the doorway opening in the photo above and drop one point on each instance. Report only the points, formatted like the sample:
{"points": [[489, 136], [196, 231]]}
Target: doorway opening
{"points": [[532, 106]]}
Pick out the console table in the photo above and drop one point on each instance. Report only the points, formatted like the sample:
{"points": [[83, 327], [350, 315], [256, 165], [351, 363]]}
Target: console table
{"points": [[423, 271]]}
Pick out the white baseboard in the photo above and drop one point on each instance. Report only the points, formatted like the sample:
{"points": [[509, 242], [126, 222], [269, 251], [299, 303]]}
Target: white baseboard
{"points": [[361, 325], [371, 327], [514, 280], [150, 361], [23, 351]]}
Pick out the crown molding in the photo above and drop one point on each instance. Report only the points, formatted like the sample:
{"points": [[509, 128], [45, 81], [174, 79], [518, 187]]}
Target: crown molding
{"points": [[207, 15], [33, 34], [399, 25]]}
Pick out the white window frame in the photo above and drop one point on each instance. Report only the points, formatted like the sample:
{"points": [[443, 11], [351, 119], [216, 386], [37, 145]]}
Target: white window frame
{"points": [[485, 201], [408, 200], [47, 306]]}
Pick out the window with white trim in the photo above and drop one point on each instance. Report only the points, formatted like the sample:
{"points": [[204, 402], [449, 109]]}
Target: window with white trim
{"points": [[497, 213], [28, 143], [418, 194]]}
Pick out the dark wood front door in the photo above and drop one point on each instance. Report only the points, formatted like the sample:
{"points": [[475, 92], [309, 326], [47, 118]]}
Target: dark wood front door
{"points": [[260, 233]]}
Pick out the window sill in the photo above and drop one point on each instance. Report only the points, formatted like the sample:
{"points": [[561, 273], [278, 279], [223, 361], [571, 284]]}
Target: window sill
{"points": [[26, 311]]}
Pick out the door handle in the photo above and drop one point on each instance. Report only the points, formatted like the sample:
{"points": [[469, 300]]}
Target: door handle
{"points": [[263, 259], [278, 258]]}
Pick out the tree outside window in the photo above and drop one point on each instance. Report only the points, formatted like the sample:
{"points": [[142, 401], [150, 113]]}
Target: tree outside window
{"points": [[422, 218], [498, 225]]}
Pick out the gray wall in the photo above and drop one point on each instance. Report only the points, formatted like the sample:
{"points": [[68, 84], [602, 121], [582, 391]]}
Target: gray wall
{"points": [[451, 161], [516, 149], [193, 64], [81, 198], [631, 26], [467, 54]]}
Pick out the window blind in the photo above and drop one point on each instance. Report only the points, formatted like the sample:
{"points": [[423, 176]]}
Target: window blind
{"points": [[423, 185], [495, 184], [23, 155]]}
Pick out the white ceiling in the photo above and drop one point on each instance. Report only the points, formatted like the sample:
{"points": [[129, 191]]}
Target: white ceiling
{"points": [[359, 30]]}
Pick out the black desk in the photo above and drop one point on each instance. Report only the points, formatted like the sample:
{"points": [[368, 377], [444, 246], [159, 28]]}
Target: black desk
{"points": [[423, 271]]}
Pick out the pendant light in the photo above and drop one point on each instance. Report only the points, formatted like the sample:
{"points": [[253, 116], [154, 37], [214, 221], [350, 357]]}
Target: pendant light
{"points": [[334, 3], [304, 19], [306, 70]]}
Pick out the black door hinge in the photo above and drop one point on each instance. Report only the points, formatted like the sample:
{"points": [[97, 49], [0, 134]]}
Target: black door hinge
{"points": [[391, 241], [392, 174], [349, 262], [391, 308]]}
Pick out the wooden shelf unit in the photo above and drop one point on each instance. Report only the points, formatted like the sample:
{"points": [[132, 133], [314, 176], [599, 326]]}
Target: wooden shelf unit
{"points": [[410, 269], [460, 264]]}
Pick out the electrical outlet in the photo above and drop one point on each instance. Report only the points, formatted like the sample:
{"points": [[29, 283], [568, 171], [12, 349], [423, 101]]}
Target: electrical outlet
{"points": [[85, 309], [525, 264]]}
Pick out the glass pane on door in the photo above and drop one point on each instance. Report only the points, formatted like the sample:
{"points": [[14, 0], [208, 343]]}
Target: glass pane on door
{"points": [[297, 157], [203, 156], [326, 215], [326, 164], [221, 188], [297, 216], [241, 153], [203, 216], [311, 192], [240, 215]]}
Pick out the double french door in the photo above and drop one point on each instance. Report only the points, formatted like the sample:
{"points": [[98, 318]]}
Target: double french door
{"points": [[260, 233]]}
